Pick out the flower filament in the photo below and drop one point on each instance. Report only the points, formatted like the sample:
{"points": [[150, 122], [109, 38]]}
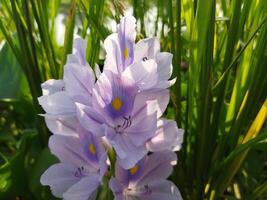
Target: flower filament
{"points": [[126, 123], [79, 172]]}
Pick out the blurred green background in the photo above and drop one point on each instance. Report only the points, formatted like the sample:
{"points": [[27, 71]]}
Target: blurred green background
{"points": [[220, 61]]}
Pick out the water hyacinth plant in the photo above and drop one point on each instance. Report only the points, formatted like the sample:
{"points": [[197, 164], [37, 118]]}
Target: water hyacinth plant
{"points": [[120, 110], [139, 99]]}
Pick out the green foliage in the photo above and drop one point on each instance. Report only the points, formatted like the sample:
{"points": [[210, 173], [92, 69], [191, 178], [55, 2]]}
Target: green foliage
{"points": [[220, 60], [15, 86]]}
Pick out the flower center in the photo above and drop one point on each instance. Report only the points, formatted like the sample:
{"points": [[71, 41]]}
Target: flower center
{"points": [[116, 103], [91, 149], [134, 170], [125, 53]]}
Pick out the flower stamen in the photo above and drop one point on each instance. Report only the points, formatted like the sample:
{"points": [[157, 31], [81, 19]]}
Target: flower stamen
{"points": [[79, 172], [127, 122]]}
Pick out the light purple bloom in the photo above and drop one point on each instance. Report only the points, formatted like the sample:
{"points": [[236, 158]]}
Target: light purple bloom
{"points": [[147, 179], [81, 168], [126, 117], [59, 96], [123, 53], [122, 109]]}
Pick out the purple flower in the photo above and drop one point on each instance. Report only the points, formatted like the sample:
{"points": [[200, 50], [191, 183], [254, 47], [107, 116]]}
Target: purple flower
{"points": [[147, 179], [59, 96], [122, 110], [81, 168], [123, 53], [126, 117]]}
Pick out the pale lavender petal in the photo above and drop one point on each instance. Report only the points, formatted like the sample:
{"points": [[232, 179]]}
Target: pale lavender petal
{"points": [[71, 58], [62, 124], [117, 189], [118, 142], [144, 74], [126, 28], [167, 137], [67, 149], [164, 61], [160, 190], [157, 100], [157, 166], [79, 82], [102, 93], [59, 177], [57, 103], [132, 157], [90, 119], [166, 83], [98, 102], [127, 34], [122, 175], [79, 48], [83, 189], [103, 165], [143, 127], [52, 86], [128, 153], [146, 49], [113, 56]]}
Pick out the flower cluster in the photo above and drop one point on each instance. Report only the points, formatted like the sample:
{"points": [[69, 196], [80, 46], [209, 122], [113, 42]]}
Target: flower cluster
{"points": [[93, 114]]}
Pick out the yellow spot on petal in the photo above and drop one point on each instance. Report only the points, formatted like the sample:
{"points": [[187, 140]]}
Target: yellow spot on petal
{"points": [[116, 103], [125, 53], [134, 170], [91, 149]]}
